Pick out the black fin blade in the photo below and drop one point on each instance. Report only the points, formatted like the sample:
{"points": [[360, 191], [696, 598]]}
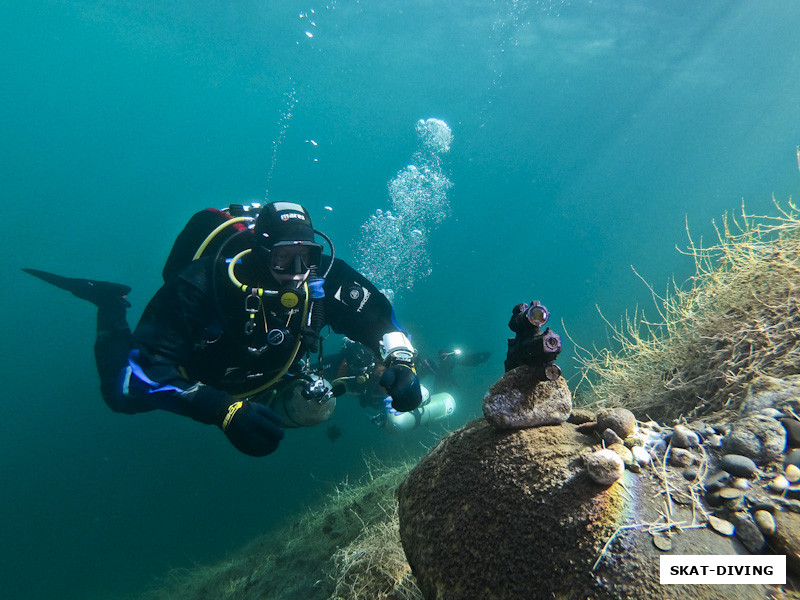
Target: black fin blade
{"points": [[96, 292]]}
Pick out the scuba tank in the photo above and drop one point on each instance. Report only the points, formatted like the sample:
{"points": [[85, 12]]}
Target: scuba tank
{"points": [[433, 408]]}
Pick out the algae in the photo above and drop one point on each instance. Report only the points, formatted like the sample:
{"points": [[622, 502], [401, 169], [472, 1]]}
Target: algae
{"points": [[735, 319], [346, 549]]}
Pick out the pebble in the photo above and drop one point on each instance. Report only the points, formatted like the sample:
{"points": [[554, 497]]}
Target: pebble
{"points": [[793, 491], [702, 429], [605, 466], [729, 493], [689, 474], [721, 526], [641, 455], [579, 416], [768, 504], [633, 440], [738, 465], [683, 437], [765, 521], [662, 542], [713, 482], [740, 483], [714, 440], [610, 437], [792, 473], [749, 534], [779, 484], [621, 420], [792, 457], [678, 457], [792, 427], [624, 453]]}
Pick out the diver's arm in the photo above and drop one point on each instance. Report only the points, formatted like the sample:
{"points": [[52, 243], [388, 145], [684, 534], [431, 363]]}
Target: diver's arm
{"points": [[173, 322], [356, 308]]}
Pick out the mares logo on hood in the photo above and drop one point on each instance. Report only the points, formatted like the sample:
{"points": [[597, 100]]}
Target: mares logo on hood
{"points": [[289, 216]]}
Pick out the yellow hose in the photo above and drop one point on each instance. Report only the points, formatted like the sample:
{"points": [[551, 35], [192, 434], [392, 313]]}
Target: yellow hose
{"points": [[214, 233], [288, 364]]}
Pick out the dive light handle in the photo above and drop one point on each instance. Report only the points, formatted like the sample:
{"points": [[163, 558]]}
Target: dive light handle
{"points": [[396, 348]]}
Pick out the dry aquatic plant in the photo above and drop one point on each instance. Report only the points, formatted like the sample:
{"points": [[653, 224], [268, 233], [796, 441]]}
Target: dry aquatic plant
{"points": [[374, 566], [735, 319], [302, 561]]}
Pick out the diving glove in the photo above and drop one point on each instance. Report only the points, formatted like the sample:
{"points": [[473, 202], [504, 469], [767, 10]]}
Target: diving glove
{"points": [[253, 428], [400, 377]]}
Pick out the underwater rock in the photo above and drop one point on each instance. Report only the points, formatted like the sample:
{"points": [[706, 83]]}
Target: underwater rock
{"points": [[518, 400], [786, 539], [580, 416], [610, 437], [762, 439], [721, 526], [738, 465], [510, 514], [765, 521], [792, 458], [640, 455], [678, 457], [683, 437], [623, 452], [621, 420], [792, 427], [605, 466], [749, 534], [484, 507], [768, 392], [779, 484]]}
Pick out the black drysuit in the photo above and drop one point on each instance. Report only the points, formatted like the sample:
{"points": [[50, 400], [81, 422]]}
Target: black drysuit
{"points": [[190, 351]]}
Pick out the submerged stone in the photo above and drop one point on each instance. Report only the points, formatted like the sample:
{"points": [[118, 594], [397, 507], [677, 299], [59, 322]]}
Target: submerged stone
{"points": [[519, 400], [738, 465]]}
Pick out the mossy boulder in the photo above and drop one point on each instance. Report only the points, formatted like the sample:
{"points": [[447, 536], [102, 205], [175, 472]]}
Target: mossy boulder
{"points": [[502, 515]]}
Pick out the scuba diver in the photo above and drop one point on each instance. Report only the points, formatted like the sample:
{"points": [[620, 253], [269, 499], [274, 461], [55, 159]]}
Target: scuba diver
{"points": [[354, 370], [443, 370], [228, 339]]}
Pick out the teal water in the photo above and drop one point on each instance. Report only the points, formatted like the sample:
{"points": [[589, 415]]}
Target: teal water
{"points": [[584, 135]]}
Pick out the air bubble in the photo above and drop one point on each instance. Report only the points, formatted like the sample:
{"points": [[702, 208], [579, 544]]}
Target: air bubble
{"points": [[393, 249]]}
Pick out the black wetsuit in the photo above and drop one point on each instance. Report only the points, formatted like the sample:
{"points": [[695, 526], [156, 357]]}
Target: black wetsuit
{"points": [[190, 351]]}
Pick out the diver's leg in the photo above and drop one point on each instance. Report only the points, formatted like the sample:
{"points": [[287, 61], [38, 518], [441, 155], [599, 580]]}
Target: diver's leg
{"points": [[96, 292], [111, 350], [114, 339]]}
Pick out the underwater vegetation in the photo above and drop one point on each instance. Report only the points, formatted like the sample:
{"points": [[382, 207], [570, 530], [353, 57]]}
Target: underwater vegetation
{"points": [[346, 549], [736, 319]]}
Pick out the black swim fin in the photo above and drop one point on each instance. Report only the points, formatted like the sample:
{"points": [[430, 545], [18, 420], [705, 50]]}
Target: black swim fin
{"points": [[96, 292], [473, 359]]}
